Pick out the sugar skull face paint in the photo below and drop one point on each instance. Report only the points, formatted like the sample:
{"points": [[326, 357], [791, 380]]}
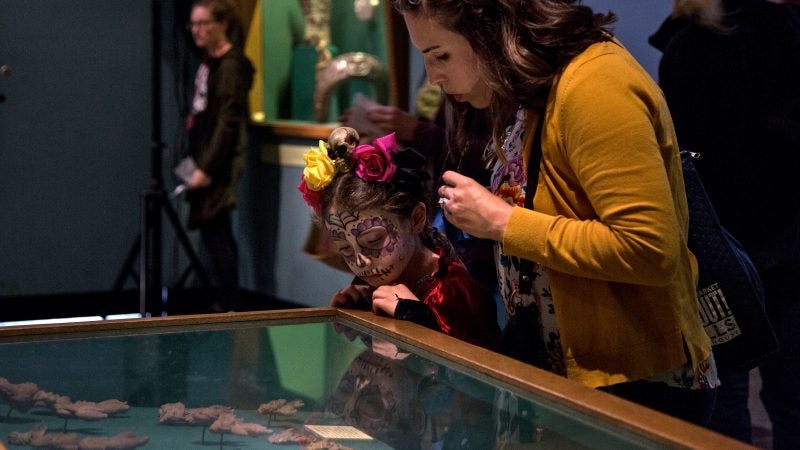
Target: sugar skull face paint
{"points": [[376, 245]]}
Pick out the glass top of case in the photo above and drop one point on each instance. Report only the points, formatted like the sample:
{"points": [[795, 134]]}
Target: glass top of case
{"points": [[267, 384]]}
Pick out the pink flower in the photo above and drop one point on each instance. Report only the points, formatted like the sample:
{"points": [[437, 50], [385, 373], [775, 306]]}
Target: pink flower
{"points": [[374, 163], [311, 197]]}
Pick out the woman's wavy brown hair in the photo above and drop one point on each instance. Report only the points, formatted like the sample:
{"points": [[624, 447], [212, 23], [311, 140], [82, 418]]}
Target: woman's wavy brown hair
{"points": [[521, 44]]}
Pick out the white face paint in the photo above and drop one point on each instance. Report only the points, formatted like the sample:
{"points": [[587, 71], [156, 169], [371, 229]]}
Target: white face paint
{"points": [[376, 245]]}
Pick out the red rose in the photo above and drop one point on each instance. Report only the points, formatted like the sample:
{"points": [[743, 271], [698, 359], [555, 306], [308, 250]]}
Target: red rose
{"points": [[374, 163]]}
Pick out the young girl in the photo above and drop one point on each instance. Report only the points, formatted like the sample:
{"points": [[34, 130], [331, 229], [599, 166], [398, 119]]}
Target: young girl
{"points": [[371, 200]]}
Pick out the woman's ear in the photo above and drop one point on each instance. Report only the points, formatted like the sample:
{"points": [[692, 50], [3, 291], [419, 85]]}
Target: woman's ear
{"points": [[419, 218]]}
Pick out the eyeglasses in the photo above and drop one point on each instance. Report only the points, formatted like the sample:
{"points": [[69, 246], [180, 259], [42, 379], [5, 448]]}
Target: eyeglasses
{"points": [[199, 24]]}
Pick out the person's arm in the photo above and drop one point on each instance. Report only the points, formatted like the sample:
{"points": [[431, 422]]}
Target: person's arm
{"points": [[456, 305], [616, 154], [417, 312], [399, 302]]}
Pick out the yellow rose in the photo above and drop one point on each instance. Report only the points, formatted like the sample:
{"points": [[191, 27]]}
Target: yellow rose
{"points": [[319, 170]]}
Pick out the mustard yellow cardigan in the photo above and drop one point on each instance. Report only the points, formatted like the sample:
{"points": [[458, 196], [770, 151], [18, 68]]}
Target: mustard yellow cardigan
{"points": [[610, 223]]}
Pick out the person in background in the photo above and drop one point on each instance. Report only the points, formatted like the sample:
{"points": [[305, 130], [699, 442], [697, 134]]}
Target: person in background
{"points": [[613, 297], [216, 139], [730, 72], [371, 200]]}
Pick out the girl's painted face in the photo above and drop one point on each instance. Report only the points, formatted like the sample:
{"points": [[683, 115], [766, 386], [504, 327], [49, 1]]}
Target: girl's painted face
{"points": [[449, 60], [376, 245]]}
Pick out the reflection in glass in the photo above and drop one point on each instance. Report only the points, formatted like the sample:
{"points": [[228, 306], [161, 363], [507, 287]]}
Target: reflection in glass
{"points": [[328, 374]]}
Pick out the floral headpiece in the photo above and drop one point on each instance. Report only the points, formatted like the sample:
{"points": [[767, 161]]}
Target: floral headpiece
{"points": [[381, 162]]}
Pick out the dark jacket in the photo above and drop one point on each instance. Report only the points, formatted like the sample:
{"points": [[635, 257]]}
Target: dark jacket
{"points": [[217, 135], [735, 98]]}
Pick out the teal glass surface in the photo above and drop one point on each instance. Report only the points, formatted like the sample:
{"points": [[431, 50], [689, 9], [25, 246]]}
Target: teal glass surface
{"points": [[338, 375]]}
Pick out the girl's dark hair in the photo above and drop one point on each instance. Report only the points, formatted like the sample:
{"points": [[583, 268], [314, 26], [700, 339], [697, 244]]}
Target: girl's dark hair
{"points": [[522, 45], [348, 192]]}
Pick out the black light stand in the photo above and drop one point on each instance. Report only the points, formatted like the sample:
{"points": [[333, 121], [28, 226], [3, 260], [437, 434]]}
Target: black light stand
{"points": [[154, 200]]}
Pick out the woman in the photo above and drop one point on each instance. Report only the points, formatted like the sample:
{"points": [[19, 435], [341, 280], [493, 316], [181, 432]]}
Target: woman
{"points": [[613, 289]]}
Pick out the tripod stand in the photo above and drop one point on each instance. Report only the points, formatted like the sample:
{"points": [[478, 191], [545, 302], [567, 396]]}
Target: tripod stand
{"points": [[154, 200]]}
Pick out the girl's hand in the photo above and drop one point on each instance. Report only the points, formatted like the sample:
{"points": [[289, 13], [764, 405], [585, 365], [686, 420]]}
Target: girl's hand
{"points": [[472, 208], [385, 298], [351, 296]]}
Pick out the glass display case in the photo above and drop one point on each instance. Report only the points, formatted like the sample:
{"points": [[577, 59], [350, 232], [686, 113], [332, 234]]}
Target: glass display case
{"points": [[308, 377]]}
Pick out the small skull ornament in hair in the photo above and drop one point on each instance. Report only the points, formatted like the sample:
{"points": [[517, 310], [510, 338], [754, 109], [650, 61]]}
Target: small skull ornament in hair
{"points": [[341, 143]]}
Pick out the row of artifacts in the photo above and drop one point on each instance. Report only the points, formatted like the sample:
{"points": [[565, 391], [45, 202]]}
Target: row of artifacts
{"points": [[217, 419]]}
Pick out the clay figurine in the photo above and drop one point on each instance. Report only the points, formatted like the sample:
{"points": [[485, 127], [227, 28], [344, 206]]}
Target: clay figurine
{"points": [[179, 414], [228, 423], [279, 407], [38, 437], [17, 396], [121, 441], [326, 444], [88, 411], [290, 435]]}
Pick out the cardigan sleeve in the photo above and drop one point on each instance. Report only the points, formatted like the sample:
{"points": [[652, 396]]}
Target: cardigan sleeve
{"points": [[605, 206]]}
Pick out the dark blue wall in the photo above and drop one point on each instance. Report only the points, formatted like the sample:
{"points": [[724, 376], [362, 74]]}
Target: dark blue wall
{"points": [[76, 134], [74, 140]]}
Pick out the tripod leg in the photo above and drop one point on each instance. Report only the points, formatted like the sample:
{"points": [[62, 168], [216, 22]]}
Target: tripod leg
{"points": [[127, 266], [150, 260], [180, 233], [184, 276]]}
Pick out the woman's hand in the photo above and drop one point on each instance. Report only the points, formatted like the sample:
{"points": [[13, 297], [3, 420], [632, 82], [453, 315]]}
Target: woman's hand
{"points": [[385, 298], [351, 296], [472, 208]]}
